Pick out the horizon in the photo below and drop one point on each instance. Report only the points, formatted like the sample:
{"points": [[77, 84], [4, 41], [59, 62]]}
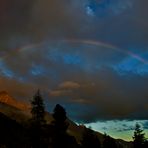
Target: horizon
{"points": [[91, 56]]}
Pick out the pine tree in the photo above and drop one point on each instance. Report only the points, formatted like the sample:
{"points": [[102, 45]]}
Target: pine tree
{"points": [[59, 113], [60, 138], [138, 137], [38, 123], [38, 109]]}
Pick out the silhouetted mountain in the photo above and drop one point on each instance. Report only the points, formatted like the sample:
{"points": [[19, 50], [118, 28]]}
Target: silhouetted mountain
{"points": [[13, 108], [9, 100], [14, 112], [12, 134]]}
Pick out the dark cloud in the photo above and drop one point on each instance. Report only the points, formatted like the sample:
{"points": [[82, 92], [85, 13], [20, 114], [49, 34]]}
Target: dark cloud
{"points": [[111, 96], [97, 82], [35, 20]]}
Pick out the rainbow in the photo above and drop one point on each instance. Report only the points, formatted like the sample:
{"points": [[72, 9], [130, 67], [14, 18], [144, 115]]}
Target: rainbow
{"points": [[109, 46], [88, 42]]}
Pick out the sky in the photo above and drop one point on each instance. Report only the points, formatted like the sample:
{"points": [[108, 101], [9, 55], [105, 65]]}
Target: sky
{"points": [[91, 56]]}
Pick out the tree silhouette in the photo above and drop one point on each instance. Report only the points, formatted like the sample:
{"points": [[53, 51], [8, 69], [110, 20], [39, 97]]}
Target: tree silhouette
{"points": [[109, 142], [60, 117], [139, 139], [38, 109], [60, 138], [59, 113], [90, 139], [37, 128]]}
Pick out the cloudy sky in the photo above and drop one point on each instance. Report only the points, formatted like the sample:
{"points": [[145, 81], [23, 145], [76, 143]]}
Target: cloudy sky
{"points": [[91, 56]]}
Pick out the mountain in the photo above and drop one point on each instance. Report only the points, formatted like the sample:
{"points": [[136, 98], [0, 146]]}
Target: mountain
{"points": [[9, 100], [9, 131], [13, 108], [20, 111]]}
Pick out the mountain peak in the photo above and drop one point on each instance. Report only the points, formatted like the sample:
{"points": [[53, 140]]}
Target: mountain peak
{"points": [[7, 99]]}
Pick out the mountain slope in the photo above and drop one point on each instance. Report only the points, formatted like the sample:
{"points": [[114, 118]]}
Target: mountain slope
{"points": [[7, 99], [13, 108], [20, 112], [12, 134]]}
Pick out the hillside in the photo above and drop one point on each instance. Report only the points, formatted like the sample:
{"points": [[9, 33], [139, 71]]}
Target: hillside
{"points": [[9, 100], [20, 111], [9, 131]]}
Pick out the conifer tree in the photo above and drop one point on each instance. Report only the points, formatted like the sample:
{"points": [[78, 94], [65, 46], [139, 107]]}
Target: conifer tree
{"points": [[60, 117], [37, 129], [38, 109], [60, 137], [138, 137]]}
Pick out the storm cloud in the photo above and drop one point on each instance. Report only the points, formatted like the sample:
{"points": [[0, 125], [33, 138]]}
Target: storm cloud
{"points": [[92, 81]]}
